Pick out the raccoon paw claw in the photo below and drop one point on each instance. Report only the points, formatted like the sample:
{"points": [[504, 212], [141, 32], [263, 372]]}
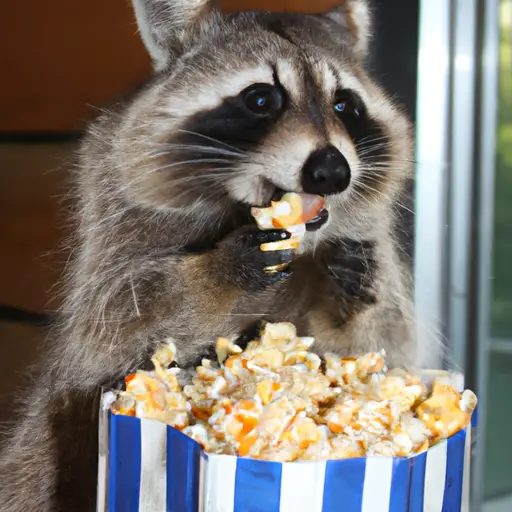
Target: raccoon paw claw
{"points": [[252, 268], [257, 238]]}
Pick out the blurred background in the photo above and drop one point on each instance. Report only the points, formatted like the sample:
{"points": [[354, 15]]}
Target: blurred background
{"points": [[448, 61]]}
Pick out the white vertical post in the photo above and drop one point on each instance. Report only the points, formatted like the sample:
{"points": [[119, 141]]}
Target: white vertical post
{"points": [[460, 207], [432, 153]]}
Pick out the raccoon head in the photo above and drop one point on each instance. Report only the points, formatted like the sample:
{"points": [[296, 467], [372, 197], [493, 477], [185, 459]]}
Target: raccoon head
{"points": [[246, 106]]}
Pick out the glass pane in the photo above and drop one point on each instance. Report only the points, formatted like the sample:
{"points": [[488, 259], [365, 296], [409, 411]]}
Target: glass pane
{"points": [[498, 449], [501, 321], [498, 442]]}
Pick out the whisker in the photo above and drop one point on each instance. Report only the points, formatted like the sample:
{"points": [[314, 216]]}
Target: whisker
{"points": [[389, 156], [376, 142], [373, 149], [364, 186], [369, 142], [202, 177], [366, 141], [186, 162], [211, 139], [169, 148], [401, 205], [382, 167]]}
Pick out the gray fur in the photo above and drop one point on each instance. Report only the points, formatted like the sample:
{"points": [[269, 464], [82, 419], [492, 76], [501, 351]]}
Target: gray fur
{"points": [[165, 25], [355, 17], [138, 203]]}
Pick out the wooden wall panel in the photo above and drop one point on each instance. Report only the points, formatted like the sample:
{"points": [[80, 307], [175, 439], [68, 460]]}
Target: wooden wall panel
{"points": [[59, 57]]}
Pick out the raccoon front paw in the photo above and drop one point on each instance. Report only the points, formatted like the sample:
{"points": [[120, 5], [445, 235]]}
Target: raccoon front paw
{"points": [[247, 265], [352, 269], [251, 333]]}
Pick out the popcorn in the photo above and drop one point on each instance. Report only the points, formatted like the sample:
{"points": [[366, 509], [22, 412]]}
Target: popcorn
{"points": [[446, 410], [290, 213], [278, 401], [225, 348]]}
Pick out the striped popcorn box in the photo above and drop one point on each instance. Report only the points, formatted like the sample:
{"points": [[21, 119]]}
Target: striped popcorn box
{"points": [[147, 466]]}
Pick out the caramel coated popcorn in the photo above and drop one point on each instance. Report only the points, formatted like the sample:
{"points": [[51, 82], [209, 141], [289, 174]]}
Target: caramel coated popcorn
{"points": [[290, 213], [278, 401]]}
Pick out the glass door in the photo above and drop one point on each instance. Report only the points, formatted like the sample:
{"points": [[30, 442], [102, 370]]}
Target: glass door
{"points": [[495, 272], [463, 271]]}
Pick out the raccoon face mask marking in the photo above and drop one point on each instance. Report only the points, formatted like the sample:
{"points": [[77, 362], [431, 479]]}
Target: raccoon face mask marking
{"points": [[243, 103]]}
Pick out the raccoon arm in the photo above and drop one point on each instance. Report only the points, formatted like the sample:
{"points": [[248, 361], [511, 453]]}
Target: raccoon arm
{"points": [[49, 461], [350, 328], [351, 269], [388, 320], [191, 297], [367, 303], [186, 297]]}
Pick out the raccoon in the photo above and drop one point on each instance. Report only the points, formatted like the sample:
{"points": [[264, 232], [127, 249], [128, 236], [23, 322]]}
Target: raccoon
{"points": [[241, 108]]}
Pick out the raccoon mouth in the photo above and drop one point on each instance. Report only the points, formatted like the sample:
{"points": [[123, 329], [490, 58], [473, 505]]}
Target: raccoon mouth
{"points": [[314, 224], [277, 195]]}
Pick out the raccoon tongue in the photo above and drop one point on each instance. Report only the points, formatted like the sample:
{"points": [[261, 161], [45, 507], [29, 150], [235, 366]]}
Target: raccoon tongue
{"points": [[311, 206]]}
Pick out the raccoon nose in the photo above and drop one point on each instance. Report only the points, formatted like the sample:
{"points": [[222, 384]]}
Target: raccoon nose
{"points": [[325, 172]]}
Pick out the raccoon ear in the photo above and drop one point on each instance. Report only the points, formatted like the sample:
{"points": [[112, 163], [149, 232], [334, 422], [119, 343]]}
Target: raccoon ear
{"points": [[164, 24], [355, 16]]}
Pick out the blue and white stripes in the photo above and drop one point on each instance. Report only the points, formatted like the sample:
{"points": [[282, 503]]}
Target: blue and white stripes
{"points": [[150, 467]]}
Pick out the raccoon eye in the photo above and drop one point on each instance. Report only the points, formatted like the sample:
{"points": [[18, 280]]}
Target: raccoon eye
{"points": [[341, 106], [263, 99], [346, 104]]}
